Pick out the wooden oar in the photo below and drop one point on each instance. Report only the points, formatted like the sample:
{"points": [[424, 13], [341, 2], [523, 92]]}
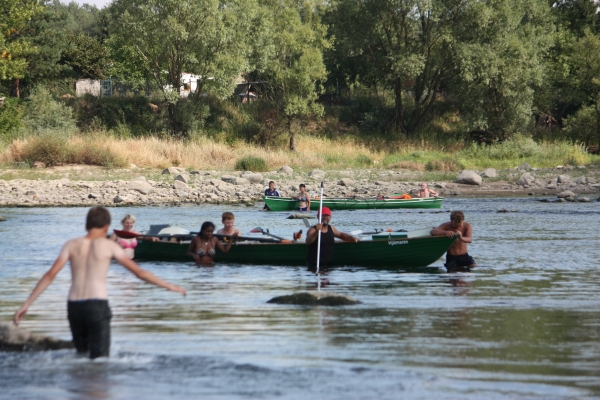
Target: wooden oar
{"points": [[258, 229], [131, 235]]}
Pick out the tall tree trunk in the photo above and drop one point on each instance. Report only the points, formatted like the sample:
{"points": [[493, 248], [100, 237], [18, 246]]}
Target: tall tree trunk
{"points": [[399, 106], [15, 90], [292, 135]]}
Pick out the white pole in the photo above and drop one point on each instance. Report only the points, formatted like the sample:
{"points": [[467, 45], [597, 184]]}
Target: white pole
{"points": [[319, 237]]}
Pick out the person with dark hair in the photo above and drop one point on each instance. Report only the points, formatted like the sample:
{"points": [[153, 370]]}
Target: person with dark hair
{"points": [[457, 255], [328, 235], [272, 192], [87, 306], [203, 247], [304, 198]]}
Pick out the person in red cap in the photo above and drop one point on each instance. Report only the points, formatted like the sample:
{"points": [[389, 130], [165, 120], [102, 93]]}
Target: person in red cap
{"points": [[328, 235]]}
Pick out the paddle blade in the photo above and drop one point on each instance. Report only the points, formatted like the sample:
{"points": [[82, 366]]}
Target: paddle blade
{"points": [[306, 223], [258, 229], [298, 235], [125, 234]]}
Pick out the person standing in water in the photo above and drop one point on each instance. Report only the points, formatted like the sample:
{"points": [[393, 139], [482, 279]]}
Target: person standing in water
{"points": [[457, 255], [304, 198], [328, 235], [87, 306], [203, 247]]}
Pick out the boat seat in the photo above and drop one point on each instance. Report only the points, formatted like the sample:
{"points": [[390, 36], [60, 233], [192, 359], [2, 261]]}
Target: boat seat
{"points": [[155, 229]]}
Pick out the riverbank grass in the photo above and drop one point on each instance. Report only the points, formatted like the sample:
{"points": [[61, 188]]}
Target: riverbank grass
{"points": [[312, 152]]}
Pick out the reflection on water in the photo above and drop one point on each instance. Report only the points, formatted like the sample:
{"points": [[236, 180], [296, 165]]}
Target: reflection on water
{"points": [[522, 325]]}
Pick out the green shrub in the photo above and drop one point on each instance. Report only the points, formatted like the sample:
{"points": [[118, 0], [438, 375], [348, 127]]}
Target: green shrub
{"points": [[255, 164], [51, 148], [363, 161], [44, 113], [445, 164], [11, 119], [583, 126], [96, 155]]}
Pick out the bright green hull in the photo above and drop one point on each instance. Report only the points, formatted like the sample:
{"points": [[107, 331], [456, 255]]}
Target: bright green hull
{"points": [[288, 204], [395, 253]]}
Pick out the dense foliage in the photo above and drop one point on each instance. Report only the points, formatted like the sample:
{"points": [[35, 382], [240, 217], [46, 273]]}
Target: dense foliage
{"points": [[436, 70]]}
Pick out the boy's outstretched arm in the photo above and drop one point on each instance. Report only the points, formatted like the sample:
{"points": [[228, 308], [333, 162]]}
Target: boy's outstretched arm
{"points": [[43, 283], [147, 275]]}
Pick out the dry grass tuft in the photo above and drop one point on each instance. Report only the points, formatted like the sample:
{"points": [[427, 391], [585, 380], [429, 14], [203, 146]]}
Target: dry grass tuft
{"points": [[409, 165]]}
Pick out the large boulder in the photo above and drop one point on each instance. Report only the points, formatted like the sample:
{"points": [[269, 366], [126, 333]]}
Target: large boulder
{"points": [[13, 338], [172, 171], [140, 186], [315, 298], [185, 178], [286, 170], [316, 174], [181, 186], [468, 177], [564, 179], [346, 182], [524, 167], [581, 180], [229, 178], [565, 194], [252, 177], [526, 179], [241, 181], [489, 173]]}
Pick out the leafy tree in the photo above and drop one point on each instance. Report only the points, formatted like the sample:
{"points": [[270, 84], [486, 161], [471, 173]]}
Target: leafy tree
{"points": [[86, 56], [586, 69], [293, 67], [161, 39], [405, 45], [501, 60], [13, 52]]}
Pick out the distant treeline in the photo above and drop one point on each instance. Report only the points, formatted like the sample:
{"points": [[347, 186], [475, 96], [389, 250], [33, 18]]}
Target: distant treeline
{"points": [[433, 69]]}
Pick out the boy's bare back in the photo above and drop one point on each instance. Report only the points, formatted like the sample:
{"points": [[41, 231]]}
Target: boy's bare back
{"points": [[90, 260]]}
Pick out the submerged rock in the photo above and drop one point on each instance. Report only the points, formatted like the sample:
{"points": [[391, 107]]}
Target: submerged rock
{"points": [[13, 338], [315, 298], [301, 216]]}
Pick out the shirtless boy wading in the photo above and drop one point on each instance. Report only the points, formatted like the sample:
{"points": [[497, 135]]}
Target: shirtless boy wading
{"points": [[457, 255], [87, 306]]}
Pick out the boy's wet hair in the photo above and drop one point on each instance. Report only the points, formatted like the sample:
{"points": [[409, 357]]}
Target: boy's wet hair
{"points": [[457, 217], [273, 182], [227, 215], [97, 217]]}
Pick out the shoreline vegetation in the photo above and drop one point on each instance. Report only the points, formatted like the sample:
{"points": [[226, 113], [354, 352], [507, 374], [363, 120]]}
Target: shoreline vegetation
{"points": [[102, 149], [152, 171]]}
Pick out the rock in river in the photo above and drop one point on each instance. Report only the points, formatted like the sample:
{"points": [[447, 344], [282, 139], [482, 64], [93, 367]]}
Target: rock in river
{"points": [[315, 298], [13, 338]]}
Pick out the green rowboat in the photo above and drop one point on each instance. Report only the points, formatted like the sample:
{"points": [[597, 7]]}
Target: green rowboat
{"points": [[349, 203], [390, 253]]}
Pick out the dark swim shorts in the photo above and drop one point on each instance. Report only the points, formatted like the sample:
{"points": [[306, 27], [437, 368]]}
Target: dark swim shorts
{"points": [[463, 260], [90, 326]]}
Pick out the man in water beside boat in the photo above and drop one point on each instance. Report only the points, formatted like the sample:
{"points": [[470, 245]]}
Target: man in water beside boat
{"points": [[425, 192], [87, 306], [328, 235], [457, 255]]}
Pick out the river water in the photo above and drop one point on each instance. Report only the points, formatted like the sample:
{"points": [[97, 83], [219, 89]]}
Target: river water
{"points": [[525, 324]]}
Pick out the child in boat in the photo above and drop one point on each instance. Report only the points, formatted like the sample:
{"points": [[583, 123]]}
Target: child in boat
{"points": [[87, 306], [228, 220]]}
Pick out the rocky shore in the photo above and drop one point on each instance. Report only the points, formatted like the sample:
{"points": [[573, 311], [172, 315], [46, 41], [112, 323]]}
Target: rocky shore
{"points": [[179, 186]]}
